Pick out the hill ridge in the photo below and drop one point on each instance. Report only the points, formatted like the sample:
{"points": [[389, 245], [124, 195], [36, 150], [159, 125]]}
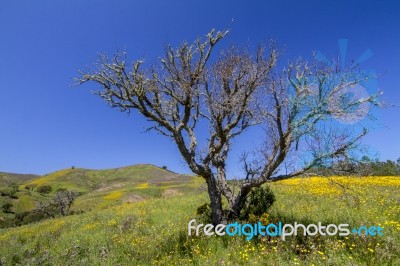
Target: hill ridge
{"points": [[101, 188]]}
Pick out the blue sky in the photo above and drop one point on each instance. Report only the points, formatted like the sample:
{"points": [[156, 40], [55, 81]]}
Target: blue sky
{"points": [[46, 125]]}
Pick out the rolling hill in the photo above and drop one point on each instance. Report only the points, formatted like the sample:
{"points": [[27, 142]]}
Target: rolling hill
{"points": [[7, 179], [103, 188], [155, 231]]}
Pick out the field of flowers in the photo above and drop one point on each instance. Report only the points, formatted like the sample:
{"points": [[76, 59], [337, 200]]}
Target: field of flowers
{"points": [[154, 232]]}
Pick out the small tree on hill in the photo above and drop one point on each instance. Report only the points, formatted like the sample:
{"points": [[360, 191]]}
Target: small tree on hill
{"points": [[59, 204], [295, 107], [64, 200]]}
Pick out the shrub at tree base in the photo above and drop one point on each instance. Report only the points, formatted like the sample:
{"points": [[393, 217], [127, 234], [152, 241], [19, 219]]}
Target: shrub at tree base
{"points": [[258, 202], [255, 209]]}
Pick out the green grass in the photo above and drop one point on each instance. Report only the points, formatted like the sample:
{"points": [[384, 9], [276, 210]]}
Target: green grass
{"points": [[128, 182], [154, 231], [7, 179]]}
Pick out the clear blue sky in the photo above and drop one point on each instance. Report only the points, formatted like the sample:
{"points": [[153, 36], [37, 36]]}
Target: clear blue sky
{"points": [[46, 125]]}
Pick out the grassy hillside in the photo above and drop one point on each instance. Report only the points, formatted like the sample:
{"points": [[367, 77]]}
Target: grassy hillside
{"points": [[103, 188], [154, 231], [8, 194], [7, 179]]}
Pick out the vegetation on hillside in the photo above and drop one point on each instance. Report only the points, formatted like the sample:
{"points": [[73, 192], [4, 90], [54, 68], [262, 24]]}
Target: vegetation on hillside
{"points": [[33, 200], [363, 167], [7, 179], [154, 231]]}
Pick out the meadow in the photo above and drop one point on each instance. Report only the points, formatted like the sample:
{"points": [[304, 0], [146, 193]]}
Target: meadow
{"points": [[154, 231], [99, 188]]}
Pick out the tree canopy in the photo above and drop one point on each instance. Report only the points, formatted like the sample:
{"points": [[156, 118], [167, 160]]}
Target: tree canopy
{"points": [[308, 111]]}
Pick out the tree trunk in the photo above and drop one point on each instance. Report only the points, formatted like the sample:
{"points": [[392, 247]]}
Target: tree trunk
{"points": [[237, 204], [217, 214]]}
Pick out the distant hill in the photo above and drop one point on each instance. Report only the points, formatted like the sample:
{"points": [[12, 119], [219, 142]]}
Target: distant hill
{"points": [[102, 188], [7, 179]]}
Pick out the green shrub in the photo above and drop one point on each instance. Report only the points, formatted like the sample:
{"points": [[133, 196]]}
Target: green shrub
{"points": [[30, 186], [204, 213], [14, 196], [46, 189], [7, 207], [10, 191], [32, 216], [14, 187], [258, 202]]}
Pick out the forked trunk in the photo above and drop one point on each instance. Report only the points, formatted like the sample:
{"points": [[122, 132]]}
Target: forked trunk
{"points": [[236, 205]]}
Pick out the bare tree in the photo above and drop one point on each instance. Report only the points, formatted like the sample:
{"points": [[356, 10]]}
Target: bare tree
{"points": [[59, 204], [64, 199], [296, 107]]}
